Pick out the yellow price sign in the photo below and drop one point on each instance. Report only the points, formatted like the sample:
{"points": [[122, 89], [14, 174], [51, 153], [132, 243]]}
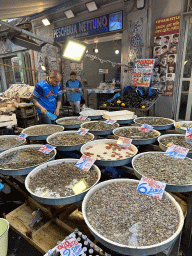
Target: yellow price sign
{"points": [[80, 186]]}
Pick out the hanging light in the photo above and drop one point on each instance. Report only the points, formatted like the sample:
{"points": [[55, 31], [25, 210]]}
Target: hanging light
{"points": [[117, 51], [96, 49], [115, 46]]}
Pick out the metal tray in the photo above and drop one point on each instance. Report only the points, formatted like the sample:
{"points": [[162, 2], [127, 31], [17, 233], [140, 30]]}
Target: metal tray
{"points": [[106, 132], [106, 162], [169, 187], [61, 200], [66, 148], [39, 137], [22, 171], [157, 127], [130, 250], [11, 136], [74, 126], [141, 141], [93, 117], [182, 129]]}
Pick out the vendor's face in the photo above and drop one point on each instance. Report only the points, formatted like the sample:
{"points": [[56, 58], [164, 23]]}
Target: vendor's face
{"points": [[73, 77], [54, 80]]}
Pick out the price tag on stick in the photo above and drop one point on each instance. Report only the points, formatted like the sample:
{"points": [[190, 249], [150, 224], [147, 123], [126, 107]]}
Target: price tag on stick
{"points": [[177, 152], [70, 247], [124, 142], [46, 149], [82, 131], [82, 117], [188, 135], [85, 163], [145, 128], [21, 137], [151, 187], [110, 121]]}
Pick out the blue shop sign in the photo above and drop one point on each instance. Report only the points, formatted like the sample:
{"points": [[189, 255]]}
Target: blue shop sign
{"points": [[106, 23]]}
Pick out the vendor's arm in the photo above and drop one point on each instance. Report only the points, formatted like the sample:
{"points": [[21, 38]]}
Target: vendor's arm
{"points": [[59, 100], [80, 89], [34, 98], [68, 88]]}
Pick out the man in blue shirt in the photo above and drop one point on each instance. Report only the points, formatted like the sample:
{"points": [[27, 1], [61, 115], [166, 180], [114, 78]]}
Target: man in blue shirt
{"points": [[74, 88], [47, 97]]}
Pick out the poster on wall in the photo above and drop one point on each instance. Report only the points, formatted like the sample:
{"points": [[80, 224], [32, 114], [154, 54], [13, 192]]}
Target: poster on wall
{"points": [[165, 53], [143, 72]]}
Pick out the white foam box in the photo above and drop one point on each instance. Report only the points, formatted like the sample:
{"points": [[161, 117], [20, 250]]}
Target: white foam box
{"points": [[119, 115]]}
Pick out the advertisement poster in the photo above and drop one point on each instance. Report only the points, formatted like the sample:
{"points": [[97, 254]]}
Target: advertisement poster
{"points": [[165, 53], [143, 72]]}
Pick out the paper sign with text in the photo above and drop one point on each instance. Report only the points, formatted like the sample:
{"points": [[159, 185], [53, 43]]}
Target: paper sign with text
{"points": [[70, 247], [85, 163], [188, 135], [151, 187], [21, 137], [82, 131], [46, 149], [110, 121], [145, 128], [177, 152], [82, 117], [124, 142]]}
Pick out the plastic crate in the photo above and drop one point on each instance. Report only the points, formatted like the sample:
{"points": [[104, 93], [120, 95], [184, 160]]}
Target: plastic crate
{"points": [[26, 122], [26, 111]]}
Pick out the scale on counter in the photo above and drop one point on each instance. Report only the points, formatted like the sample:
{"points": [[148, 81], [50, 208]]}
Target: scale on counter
{"points": [[103, 72]]}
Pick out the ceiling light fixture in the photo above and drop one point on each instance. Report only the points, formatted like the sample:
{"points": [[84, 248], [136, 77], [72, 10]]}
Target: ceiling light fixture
{"points": [[117, 51], [91, 6], [73, 50], [96, 49], [46, 22], [69, 14]]}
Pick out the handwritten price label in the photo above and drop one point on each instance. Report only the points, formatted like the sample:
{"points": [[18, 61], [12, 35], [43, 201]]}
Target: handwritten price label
{"points": [[110, 121], [188, 135], [124, 142], [82, 117], [82, 131], [85, 163], [46, 149], [177, 152], [21, 137], [145, 128], [70, 247], [151, 187]]}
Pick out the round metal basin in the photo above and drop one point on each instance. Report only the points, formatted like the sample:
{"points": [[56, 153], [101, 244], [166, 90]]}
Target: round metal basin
{"points": [[157, 127], [11, 136], [182, 129], [164, 148], [22, 171], [169, 187], [130, 250], [106, 132], [60, 200], [40, 137], [108, 162], [66, 148], [98, 114], [140, 141], [70, 126]]}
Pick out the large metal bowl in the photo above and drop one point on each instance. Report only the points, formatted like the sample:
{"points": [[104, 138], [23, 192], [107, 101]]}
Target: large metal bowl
{"points": [[107, 162], [11, 136], [22, 171], [140, 141], [182, 129], [130, 250], [61, 200], [169, 187], [66, 148], [106, 132], [98, 115], [40, 137], [70, 126], [164, 148], [157, 127]]}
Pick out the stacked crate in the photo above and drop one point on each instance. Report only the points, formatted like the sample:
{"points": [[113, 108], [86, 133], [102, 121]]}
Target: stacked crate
{"points": [[26, 115]]}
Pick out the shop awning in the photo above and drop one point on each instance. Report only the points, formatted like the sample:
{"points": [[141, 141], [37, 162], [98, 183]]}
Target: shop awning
{"points": [[22, 8]]}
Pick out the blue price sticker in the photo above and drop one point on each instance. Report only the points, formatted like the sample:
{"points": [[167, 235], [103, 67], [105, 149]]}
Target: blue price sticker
{"points": [[21, 137], [151, 187], [85, 163], [188, 135], [46, 149], [82, 131], [110, 121], [146, 128], [81, 117], [177, 152], [70, 247]]}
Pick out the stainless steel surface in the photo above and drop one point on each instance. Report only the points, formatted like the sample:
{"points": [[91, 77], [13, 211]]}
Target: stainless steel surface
{"points": [[130, 250], [60, 200]]}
